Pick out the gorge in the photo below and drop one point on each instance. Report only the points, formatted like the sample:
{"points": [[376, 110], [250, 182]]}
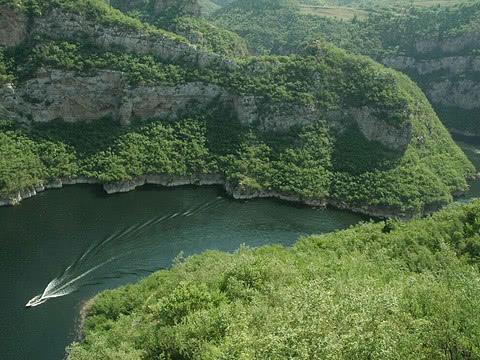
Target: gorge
{"points": [[297, 192]]}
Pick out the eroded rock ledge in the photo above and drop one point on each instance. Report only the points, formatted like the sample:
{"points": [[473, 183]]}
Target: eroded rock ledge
{"points": [[59, 94], [235, 191], [448, 71]]}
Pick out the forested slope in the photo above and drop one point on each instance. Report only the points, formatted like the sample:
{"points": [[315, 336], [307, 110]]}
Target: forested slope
{"points": [[437, 46], [325, 127], [375, 291]]}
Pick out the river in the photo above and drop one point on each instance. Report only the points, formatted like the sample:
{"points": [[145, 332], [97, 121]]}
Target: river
{"points": [[45, 234]]}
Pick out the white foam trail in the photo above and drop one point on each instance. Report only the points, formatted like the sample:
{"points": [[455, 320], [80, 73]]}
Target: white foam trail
{"points": [[52, 284], [63, 284], [162, 219], [47, 296]]}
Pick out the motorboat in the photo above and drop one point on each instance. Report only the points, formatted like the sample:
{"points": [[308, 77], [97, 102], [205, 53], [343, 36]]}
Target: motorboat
{"points": [[35, 301]]}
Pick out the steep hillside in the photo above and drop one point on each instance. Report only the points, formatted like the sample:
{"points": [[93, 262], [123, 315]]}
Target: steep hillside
{"points": [[438, 47], [441, 50], [325, 128], [184, 18], [376, 291]]}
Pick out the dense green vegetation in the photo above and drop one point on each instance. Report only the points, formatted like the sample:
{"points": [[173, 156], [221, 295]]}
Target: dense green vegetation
{"points": [[26, 163], [98, 11], [381, 32], [103, 151], [5, 76], [88, 59], [313, 161], [376, 291], [281, 26], [180, 17], [208, 36]]}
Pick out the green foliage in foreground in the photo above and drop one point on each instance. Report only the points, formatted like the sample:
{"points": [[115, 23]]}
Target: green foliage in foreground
{"points": [[375, 291]]}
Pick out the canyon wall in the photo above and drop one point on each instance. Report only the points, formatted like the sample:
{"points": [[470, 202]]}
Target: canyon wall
{"points": [[13, 26], [53, 94], [65, 95], [160, 7], [59, 24], [448, 71]]}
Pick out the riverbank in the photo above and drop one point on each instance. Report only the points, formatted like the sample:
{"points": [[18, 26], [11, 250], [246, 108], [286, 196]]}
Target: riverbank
{"points": [[46, 233], [236, 192]]}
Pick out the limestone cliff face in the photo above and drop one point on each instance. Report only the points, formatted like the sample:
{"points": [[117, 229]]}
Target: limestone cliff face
{"points": [[448, 71], [13, 26], [58, 94], [160, 7], [448, 65], [446, 81], [435, 44], [59, 24]]}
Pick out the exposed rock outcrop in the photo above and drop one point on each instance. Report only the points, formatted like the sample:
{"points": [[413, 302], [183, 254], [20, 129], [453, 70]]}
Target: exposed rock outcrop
{"points": [[15, 199], [449, 65], [59, 24], [375, 129], [65, 95], [160, 7], [464, 94], [235, 191], [13, 26], [433, 45], [164, 180], [449, 81]]}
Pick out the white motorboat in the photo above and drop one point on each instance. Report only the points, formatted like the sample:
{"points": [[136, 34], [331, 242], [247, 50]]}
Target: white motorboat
{"points": [[35, 301]]}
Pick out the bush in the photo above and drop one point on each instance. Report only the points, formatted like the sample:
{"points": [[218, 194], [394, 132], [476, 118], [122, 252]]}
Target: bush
{"points": [[363, 293]]}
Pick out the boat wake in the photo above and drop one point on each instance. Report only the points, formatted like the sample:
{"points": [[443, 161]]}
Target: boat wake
{"points": [[111, 250]]}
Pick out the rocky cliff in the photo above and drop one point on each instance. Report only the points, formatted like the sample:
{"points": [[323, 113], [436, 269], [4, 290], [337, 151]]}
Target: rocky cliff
{"points": [[160, 7], [58, 23], [448, 71], [13, 26], [328, 127], [65, 95]]}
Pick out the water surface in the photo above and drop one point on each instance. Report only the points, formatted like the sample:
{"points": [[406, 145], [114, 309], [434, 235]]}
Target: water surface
{"points": [[45, 234]]}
